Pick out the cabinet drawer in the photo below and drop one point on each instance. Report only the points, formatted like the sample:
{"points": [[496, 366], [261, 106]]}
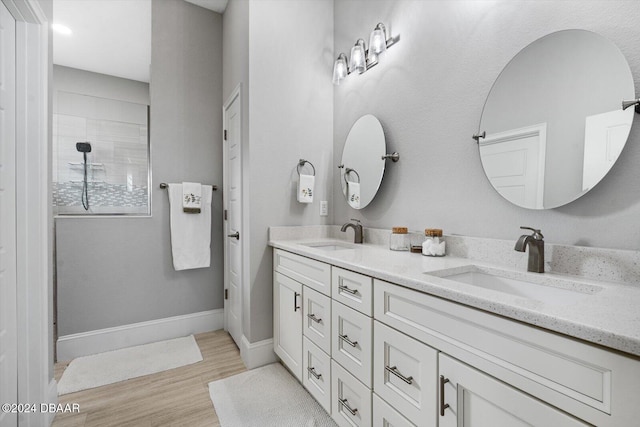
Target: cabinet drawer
{"points": [[317, 318], [315, 274], [351, 400], [569, 374], [351, 338], [316, 373], [385, 416], [472, 395], [405, 374], [352, 289]]}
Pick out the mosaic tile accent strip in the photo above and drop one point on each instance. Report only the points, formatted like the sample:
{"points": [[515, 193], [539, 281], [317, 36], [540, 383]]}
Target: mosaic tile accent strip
{"points": [[101, 194]]}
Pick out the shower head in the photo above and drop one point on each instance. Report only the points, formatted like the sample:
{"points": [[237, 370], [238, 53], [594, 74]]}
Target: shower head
{"points": [[83, 147]]}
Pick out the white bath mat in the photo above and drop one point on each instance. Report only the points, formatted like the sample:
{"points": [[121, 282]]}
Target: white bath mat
{"points": [[119, 365], [266, 397]]}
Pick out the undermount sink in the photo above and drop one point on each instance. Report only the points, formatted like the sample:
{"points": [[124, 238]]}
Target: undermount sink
{"points": [[550, 290], [330, 246]]}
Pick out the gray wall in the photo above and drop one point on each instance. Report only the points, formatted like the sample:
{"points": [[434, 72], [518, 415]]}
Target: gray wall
{"points": [[291, 110], [280, 50], [428, 91], [117, 271]]}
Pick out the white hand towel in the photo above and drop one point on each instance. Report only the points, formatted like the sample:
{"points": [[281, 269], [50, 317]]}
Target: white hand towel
{"points": [[191, 197], [190, 234], [353, 194], [305, 188]]}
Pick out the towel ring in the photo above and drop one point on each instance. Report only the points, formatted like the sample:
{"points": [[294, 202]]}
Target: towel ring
{"points": [[302, 162], [347, 171]]}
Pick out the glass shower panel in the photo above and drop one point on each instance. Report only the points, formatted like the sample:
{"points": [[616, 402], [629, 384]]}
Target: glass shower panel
{"points": [[117, 169]]}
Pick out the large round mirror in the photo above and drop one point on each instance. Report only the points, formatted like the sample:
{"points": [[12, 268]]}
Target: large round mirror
{"points": [[362, 166], [553, 122]]}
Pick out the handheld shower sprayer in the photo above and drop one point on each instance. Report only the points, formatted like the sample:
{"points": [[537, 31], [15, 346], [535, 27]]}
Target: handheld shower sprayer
{"points": [[84, 148]]}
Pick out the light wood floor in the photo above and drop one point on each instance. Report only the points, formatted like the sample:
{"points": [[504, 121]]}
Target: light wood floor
{"points": [[178, 397]]}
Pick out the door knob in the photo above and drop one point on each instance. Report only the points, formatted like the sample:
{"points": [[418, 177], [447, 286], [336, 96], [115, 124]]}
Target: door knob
{"points": [[236, 235]]}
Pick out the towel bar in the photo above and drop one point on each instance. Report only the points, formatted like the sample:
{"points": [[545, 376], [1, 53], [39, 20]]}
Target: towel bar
{"points": [[164, 185], [302, 162]]}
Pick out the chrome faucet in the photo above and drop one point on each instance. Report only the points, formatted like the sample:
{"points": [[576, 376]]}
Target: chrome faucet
{"points": [[357, 230], [536, 249]]}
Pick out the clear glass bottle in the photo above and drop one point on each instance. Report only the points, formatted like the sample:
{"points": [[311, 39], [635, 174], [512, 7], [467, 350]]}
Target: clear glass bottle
{"points": [[399, 239], [417, 237], [434, 244]]}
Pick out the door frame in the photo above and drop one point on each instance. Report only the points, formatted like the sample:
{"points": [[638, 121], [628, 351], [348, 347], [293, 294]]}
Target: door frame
{"points": [[235, 94], [34, 221]]}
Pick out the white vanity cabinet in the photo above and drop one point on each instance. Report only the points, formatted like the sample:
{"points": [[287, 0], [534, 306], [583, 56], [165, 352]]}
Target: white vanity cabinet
{"points": [[376, 353], [293, 277]]}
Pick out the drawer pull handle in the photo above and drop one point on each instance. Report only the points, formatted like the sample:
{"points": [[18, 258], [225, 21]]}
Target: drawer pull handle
{"points": [[394, 371], [314, 318], [313, 372], [295, 301], [443, 405], [346, 339], [345, 405], [348, 290]]}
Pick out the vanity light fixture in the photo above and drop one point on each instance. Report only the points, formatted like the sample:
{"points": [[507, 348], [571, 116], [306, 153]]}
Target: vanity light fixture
{"points": [[361, 58]]}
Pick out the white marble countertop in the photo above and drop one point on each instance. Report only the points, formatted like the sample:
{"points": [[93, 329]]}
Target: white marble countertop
{"points": [[603, 313]]}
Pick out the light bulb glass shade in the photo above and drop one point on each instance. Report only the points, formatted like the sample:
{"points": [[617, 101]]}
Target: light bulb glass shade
{"points": [[339, 70], [377, 42], [358, 60]]}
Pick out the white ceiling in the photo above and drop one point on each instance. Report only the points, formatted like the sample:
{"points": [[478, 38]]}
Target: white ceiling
{"points": [[109, 36], [215, 5]]}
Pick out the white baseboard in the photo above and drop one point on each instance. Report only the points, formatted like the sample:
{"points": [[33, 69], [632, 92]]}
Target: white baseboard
{"points": [[258, 353], [92, 342]]}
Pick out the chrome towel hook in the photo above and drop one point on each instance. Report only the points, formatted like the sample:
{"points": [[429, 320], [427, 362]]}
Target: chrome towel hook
{"points": [[302, 162]]}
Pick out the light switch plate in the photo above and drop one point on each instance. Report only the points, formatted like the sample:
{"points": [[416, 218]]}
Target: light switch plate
{"points": [[324, 208]]}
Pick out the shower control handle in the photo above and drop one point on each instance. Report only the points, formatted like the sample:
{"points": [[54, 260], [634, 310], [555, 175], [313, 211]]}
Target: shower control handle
{"points": [[236, 235]]}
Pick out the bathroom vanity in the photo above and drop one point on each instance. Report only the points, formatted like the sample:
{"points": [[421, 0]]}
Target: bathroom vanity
{"points": [[388, 338]]}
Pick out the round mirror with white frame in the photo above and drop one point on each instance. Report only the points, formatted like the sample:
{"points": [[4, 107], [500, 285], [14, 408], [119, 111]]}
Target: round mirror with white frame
{"points": [[362, 165], [553, 124]]}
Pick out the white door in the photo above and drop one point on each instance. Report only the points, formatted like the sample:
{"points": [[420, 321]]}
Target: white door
{"points": [[475, 399], [233, 216], [8, 326], [604, 138], [514, 162]]}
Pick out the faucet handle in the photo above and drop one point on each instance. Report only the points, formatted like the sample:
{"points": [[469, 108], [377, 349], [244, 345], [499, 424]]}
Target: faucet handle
{"points": [[356, 220], [536, 233]]}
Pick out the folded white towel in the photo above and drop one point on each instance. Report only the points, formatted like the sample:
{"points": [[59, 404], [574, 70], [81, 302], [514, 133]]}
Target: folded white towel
{"points": [[305, 188], [191, 197], [190, 234], [353, 194]]}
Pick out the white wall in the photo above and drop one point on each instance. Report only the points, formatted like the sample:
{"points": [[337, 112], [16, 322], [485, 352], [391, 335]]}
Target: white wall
{"points": [[428, 92], [118, 271]]}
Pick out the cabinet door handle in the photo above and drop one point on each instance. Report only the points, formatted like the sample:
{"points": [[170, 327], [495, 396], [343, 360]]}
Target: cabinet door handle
{"points": [[314, 318], [443, 405], [295, 301], [345, 404], [348, 290], [346, 339], [313, 372], [394, 371]]}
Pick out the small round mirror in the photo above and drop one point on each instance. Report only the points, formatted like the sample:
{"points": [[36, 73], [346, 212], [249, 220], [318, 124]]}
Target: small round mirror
{"points": [[362, 166], [553, 120]]}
